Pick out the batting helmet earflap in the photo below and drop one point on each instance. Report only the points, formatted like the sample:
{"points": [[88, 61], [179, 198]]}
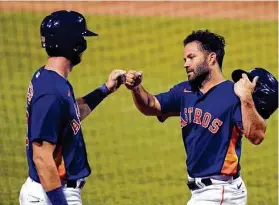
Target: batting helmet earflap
{"points": [[62, 34], [265, 95]]}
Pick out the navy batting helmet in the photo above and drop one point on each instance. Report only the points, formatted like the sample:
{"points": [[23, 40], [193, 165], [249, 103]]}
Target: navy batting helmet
{"points": [[62, 34], [265, 95]]}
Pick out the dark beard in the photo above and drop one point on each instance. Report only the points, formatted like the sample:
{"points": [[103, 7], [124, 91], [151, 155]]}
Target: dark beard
{"points": [[202, 75]]}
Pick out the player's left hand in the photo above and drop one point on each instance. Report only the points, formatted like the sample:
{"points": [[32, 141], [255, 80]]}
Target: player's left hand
{"points": [[244, 87], [115, 80]]}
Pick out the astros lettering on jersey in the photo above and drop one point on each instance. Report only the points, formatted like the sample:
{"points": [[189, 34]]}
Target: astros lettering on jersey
{"points": [[212, 142]]}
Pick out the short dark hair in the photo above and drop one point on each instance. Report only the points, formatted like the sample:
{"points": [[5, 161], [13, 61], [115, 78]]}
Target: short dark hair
{"points": [[209, 41]]}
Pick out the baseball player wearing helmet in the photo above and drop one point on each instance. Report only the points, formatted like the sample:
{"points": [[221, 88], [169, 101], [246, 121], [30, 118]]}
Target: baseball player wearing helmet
{"points": [[55, 147], [214, 113]]}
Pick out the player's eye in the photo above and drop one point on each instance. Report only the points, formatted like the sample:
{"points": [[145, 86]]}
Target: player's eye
{"points": [[191, 56]]}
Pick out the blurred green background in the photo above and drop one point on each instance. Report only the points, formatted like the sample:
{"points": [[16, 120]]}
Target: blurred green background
{"points": [[135, 159]]}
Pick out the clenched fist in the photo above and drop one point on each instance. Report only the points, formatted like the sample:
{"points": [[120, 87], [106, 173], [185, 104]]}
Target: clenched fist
{"points": [[133, 79], [244, 87], [115, 79]]}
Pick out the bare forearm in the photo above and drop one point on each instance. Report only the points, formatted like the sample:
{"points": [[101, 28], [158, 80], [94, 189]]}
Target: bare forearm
{"points": [[253, 124], [47, 171], [145, 102]]}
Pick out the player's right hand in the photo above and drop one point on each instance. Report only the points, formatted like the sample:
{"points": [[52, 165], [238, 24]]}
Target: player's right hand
{"points": [[244, 88], [115, 79], [133, 79]]}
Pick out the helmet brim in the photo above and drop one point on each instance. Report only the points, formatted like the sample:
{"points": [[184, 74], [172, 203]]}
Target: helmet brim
{"points": [[237, 75], [89, 33]]}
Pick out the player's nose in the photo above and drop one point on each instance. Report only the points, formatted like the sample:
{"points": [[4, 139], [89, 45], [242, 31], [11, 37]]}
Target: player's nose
{"points": [[186, 66]]}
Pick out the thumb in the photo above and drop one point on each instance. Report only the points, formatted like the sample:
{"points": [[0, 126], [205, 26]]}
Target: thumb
{"points": [[118, 73], [255, 80], [139, 74]]}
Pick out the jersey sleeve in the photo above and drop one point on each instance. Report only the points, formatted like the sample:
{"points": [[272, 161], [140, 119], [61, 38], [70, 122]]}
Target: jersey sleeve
{"points": [[46, 119], [170, 101], [237, 116]]}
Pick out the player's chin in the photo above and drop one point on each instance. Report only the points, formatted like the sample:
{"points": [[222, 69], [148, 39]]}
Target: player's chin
{"points": [[191, 76]]}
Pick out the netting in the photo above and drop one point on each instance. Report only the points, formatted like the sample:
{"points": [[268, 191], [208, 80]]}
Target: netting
{"points": [[135, 159]]}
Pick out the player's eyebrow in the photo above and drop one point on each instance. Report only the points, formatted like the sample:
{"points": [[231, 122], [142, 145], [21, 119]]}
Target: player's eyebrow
{"points": [[190, 55]]}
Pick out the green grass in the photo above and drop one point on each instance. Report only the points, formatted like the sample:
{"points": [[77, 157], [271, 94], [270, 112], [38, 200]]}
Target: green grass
{"points": [[135, 159]]}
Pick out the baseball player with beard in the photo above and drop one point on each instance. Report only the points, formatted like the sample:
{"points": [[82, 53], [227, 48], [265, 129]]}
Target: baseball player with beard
{"points": [[214, 113], [55, 147]]}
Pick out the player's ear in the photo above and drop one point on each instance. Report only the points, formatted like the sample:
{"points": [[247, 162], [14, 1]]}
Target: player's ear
{"points": [[211, 59]]}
